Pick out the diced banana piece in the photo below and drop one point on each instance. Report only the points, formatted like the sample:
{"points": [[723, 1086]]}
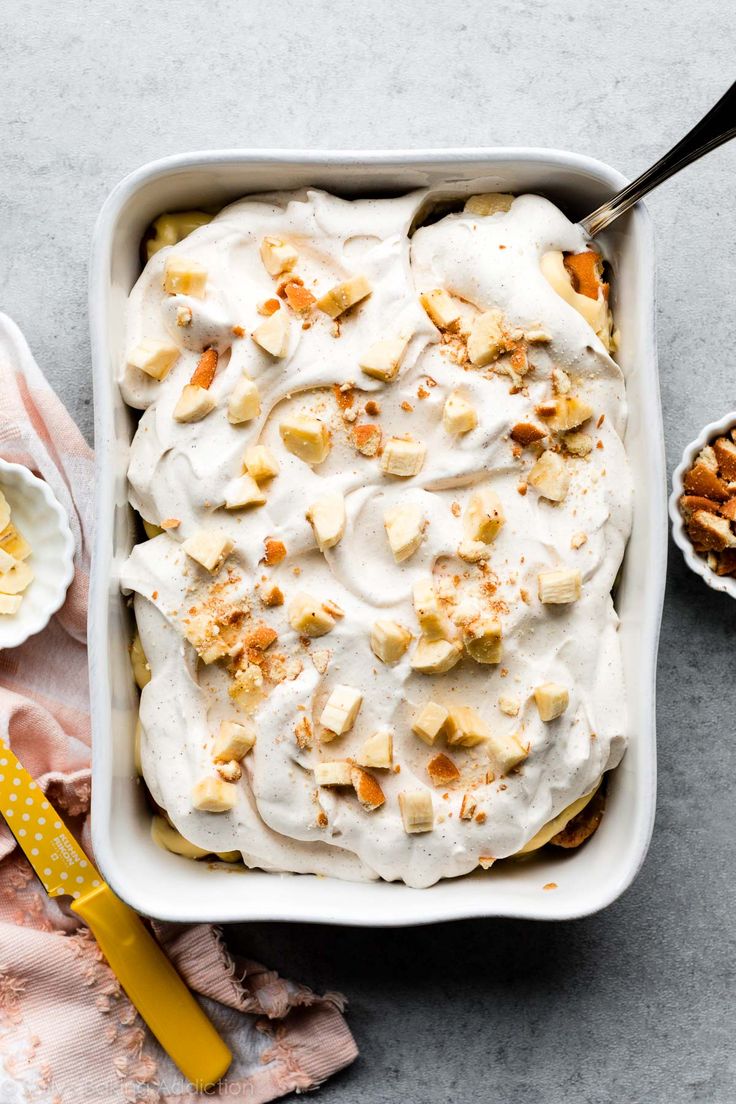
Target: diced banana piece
{"points": [[309, 616], [552, 700], [383, 358], [168, 229], [552, 827], [278, 256], [244, 491], [212, 795], [233, 741], [430, 615], [10, 604], [6, 561], [487, 339], [484, 516], [193, 404], [404, 458], [435, 657], [327, 517], [345, 295], [559, 587], [203, 632], [430, 722], [167, 838], [578, 443], [209, 547], [273, 334], [150, 529], [506, 752], [341, 709], [16, 579], [389, 641], [459, 415], [466, 728], [12, 540], [550, 476], [260, 463], [334, 772], [377, 751], [305, 437], [245, 402], [417, 811], [488, 203], [183, 276], [229, 856], [482, 640], [155, 358], [565, 412], [404, 529], [139, 663], [441, 308]]}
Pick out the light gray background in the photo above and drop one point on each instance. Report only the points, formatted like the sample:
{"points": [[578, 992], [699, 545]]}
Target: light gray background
{"points": [[634, 1005]]}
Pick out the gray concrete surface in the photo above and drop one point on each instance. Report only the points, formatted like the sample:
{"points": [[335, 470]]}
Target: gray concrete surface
{"points": [[634, 1005]]}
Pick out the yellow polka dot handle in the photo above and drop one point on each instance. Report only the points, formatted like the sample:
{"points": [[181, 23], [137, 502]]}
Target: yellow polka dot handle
{"points": [[142, 968]]}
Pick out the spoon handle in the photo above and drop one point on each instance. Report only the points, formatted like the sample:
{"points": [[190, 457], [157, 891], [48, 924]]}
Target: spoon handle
{"points": [[713, 129]]}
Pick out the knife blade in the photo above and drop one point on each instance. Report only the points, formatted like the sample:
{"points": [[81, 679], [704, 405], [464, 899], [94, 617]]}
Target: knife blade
{"points": [[49, 846]]}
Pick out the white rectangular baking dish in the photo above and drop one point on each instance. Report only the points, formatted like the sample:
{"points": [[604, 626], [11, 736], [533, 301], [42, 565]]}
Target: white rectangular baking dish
{"points": [[169, 887]]}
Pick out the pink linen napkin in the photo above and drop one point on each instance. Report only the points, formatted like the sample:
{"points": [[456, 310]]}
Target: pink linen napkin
{"points": [[68, 1034]]}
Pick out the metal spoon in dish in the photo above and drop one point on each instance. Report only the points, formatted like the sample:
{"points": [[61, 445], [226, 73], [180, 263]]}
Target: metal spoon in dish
{"points": [[715, 128]]}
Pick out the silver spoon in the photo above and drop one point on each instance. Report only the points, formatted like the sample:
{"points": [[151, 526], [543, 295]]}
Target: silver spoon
{"points": [[718, 126]]}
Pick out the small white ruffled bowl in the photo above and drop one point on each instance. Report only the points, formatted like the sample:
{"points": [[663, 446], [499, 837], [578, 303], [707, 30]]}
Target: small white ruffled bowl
{"points": [[696, 562], [35, 510]]}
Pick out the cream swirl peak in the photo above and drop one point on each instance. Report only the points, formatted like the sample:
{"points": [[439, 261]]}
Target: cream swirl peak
{"points": [[394, 496]]}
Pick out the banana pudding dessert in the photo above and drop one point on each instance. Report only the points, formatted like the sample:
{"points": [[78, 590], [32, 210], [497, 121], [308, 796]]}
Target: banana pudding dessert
{"points": [[382, 478]]}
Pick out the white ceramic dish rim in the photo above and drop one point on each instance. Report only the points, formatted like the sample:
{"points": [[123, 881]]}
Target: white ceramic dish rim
{"points": [[696, 563], [25, 622], [393, 904]]}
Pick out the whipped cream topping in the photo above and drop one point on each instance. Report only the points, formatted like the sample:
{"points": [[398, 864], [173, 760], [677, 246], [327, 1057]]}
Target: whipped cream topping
{"points": [[282, 820]]}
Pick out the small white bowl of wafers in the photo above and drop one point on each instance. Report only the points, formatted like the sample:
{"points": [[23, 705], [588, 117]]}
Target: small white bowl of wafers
{"points": [[703, 505]]}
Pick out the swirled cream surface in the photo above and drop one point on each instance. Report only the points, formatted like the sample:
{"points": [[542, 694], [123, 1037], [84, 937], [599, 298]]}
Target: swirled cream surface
{"points": [[508, 504]]}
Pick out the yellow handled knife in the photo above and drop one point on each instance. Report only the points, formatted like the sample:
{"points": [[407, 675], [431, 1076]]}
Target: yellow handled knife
{"points": [[136, 959]]}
